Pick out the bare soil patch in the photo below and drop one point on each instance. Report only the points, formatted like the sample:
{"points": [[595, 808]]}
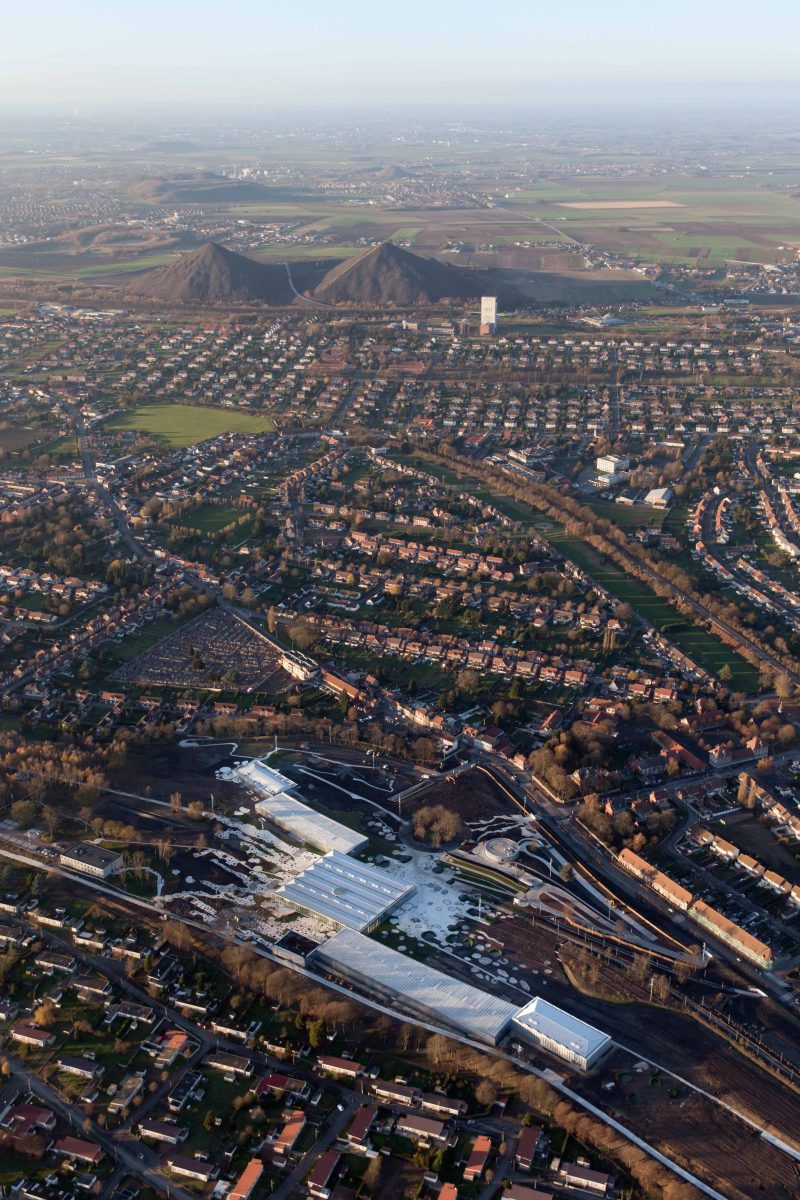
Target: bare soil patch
{"points": [[472, 795], [698, 1135]]}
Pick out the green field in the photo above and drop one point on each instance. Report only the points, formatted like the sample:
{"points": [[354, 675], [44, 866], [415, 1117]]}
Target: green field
{"points": [[627, 516], [210, 518], [185, 424], [700, 645], [19, 437]]}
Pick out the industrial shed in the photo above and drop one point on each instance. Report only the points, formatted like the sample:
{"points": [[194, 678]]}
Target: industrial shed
{"points": [[302, 823], [348, 893], [561, 1033], [422, 991]]}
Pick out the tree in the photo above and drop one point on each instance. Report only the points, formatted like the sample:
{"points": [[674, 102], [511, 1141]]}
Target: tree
{"points": [[373, 1176], [23, 812], [46, 1014], [661, 988], [177, 935], [436, 824], [438, 1049], [639, 968], [726, 674], [176, 801], [485, 1093], [316, 1033], [783, 686], [567, 872], [52, 818], [469, 682], [787, 735], [303, 634]]}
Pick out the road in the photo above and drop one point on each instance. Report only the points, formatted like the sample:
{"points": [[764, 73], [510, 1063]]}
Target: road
{"points": [[140, 1162], [300, 296], [95, 484], [333, 1127], [694, 454]]}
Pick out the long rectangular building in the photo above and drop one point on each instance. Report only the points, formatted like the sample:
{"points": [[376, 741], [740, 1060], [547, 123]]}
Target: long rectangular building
{"points": [[714, 921], [732, 934], [348, 893], [300, 821], [561, 1033], [671, 891], [425, 993]]}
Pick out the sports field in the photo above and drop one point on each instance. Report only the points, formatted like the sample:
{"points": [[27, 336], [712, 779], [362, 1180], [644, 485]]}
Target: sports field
{"points": [[186, 424], [210, 518], [627, 516]]}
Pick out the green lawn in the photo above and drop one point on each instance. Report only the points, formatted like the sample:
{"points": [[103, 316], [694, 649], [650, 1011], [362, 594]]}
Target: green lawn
{"points": [[627, 516], [700, 645], [210, 518], [185, 424]]}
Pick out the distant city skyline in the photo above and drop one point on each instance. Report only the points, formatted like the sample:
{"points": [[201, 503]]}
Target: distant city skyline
{"points": [[249, 53]]}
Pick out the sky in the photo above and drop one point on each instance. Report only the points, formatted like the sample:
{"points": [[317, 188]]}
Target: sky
{"points": [[108, 53]]}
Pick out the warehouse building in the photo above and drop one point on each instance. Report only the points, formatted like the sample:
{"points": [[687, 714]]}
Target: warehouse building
{"points": [[302, 823], [423, 992], [659, 497], [542, 1024], [265, 778], [347, 893]]}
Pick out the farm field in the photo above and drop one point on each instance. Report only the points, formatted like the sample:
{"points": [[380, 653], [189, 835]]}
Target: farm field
{"points": [[186, 424], [56, 265], [680, 220], [19, 437], [537, 229]]}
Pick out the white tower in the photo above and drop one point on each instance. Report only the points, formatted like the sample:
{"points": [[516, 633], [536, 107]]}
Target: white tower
{"points": [[489, 314]]}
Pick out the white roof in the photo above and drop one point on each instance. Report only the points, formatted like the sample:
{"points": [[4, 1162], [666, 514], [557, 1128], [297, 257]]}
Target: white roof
{"points": [[543, 1019], [344, 891], [303, 823], [459, 1005], [307, 825], [266, 778], [657, 495]]}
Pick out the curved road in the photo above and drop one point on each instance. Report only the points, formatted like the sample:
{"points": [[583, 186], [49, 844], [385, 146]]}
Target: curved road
{"points": [[300, 295]]}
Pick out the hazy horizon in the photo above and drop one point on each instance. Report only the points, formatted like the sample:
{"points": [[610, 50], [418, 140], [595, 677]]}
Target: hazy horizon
{"points": [[88, 56]]}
